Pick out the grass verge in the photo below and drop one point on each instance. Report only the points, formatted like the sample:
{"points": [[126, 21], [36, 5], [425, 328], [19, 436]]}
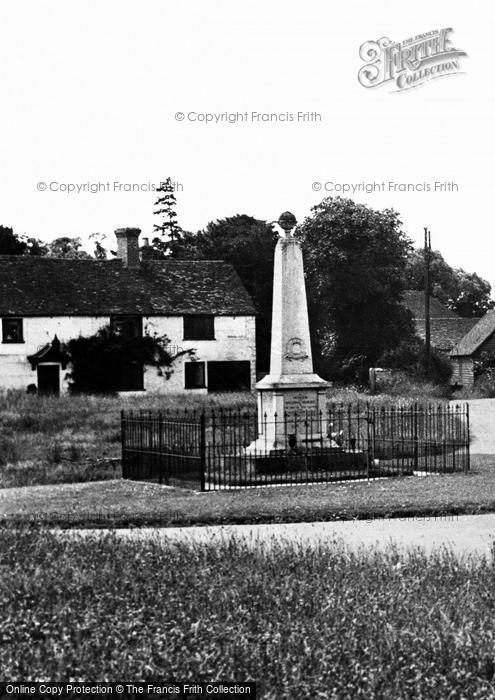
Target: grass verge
{"points": [[122, 503], [301, 622]]}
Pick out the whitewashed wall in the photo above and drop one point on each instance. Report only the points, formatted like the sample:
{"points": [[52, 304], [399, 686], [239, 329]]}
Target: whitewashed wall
{"points": [[15, 370], [234, 340]]}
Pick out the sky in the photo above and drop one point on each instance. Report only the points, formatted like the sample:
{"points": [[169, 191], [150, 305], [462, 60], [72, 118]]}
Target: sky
{"points": [[92, 91]]}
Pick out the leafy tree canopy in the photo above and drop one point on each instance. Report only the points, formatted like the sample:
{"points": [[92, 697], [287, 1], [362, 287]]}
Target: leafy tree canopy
{"points": [[66, 247], [409, 357], [355, 258], [464, 292], [63, 247], [100, 252], [15, 244]]}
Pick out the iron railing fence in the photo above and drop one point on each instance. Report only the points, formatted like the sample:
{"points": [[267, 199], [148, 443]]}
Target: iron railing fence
{"points": [[237, 448]]}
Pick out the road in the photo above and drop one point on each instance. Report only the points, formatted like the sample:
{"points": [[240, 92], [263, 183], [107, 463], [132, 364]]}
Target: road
{"points": [[482, 425], [464, 534]]}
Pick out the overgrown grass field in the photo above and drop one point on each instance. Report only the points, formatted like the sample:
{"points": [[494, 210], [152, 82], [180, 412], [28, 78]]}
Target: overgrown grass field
{"points": [[46, 440], [301, 622]]}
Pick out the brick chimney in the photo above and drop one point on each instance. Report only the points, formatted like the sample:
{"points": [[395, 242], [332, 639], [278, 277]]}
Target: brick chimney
{"points": [[128, 246]]}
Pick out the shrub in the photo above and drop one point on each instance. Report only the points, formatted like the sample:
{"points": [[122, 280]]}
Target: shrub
{"points": [[409, 357], [8, 450], [484, 366], [484, 379], [99, 361], [74, 453], [55, 455], [483, 388], [401, 384]]}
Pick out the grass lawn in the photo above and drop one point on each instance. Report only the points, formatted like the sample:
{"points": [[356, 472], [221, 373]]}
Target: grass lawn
{"points": [[302, 622], [123, 503]]}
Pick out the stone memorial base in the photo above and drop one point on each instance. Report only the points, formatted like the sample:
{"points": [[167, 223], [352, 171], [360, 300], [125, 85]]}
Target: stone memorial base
{"points": [[328, 460], [292, 415]]}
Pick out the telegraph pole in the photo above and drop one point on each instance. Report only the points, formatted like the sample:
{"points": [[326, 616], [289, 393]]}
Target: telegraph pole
{"points": [[427, 299]]}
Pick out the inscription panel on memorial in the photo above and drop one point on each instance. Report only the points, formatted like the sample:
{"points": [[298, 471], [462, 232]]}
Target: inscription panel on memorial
{"points": [[300, 402]]}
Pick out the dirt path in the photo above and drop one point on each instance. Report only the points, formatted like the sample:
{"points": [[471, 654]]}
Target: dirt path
{"points": [[464, 534], [482, 424]]}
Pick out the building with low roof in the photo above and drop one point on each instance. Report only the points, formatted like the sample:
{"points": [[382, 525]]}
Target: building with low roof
{"points": [[446, 327], [197, 304], [464, 340], [478, 342]]}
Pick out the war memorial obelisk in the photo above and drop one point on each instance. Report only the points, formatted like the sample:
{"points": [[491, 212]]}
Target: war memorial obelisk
{"points": [[291, 395]]}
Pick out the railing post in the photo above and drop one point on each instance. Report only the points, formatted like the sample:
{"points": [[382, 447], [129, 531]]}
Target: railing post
{"points": [[122, 444], [416, 447], [468, 443], [160, 446], [368, 439], [202, 450]]}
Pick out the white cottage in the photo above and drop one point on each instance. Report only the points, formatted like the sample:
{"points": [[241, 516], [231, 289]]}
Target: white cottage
{"points": [[197, 304]]}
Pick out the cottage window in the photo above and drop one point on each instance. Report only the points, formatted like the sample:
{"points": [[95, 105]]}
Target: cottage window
{"points": [[229, 375], [194, 375], [12, 330], [201, 327], [132, 326]]}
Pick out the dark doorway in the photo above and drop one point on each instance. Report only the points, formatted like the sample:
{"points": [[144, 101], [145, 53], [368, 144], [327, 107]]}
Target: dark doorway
{"points": [[229, 376], [130, 376], [49, 379]]}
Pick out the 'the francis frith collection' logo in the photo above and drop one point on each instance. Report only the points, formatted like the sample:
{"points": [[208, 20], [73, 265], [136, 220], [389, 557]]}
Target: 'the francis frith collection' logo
{"points": [[409, 63]]}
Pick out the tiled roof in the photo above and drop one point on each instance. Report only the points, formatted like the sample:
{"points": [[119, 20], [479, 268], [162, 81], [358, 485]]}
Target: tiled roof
{"points": [[415, 302], [476, 336], [39, 286], [445, 332]]}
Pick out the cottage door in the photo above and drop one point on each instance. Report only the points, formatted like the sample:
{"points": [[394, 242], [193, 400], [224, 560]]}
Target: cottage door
{"points": [[49, 379]]}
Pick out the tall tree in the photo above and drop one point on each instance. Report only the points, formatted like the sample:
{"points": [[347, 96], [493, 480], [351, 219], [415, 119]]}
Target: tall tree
{"points": [[35, 246], [14, 244], [66, 247], [355, 259], [168, 229], [100, 252], [248, 244], [464, 292], [10, 243]]}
